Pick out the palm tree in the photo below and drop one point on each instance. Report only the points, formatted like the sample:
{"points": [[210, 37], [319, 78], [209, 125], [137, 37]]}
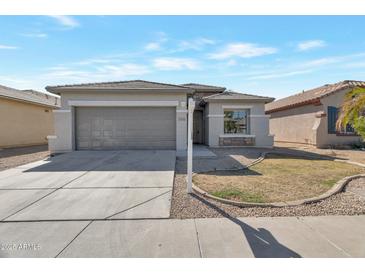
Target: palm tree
{"points": [[353, 111]]}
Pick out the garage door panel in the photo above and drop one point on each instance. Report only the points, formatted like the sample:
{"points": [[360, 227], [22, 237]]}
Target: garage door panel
{"points": [[124, 127]]}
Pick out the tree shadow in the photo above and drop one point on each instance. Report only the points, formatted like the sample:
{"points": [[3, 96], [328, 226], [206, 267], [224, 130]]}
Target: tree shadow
{"points": [[261, 241]]}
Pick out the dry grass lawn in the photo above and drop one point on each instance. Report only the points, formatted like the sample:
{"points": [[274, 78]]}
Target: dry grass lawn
{"points": [[278, 178]]}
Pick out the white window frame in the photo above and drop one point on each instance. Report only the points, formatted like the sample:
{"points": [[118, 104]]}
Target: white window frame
{"points": [[248, 130]]}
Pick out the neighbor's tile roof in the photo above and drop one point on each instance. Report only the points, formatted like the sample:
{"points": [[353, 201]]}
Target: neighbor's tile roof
{"points": [[230, 95], [203, 87], [306, 97], [133, 84], [31, 96]]}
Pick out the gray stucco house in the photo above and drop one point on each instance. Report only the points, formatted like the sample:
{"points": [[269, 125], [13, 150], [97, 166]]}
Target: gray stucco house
{"points": [[148, 115], [310, 117]]}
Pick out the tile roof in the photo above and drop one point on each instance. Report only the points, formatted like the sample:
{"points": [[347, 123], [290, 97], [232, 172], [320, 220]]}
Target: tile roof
{"points": [[306, 97], [230, 95], [31, 96], [133, 84], [203, 87]]}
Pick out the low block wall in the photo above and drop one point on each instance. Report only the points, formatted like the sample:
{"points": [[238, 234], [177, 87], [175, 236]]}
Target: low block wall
{"points": [[236, 141]]}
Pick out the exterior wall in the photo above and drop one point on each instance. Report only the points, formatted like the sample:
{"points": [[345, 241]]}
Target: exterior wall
{"points": [[206, 124], [24, 124], [64, 118], [297, 125], [323, 138], [308, 124], [258, 124]]}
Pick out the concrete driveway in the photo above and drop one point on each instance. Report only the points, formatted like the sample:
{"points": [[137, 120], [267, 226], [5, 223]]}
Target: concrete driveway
{"points": [[90, 185]]}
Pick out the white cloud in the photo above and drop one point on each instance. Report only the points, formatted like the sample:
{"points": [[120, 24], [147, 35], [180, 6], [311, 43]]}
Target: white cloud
{"points": [[279, 75], [196, 44], [243, 50], [231, 63], [7, 47], [323, 61], [311, 44], [101, 73], [157, 45], [153, 46], [66, 21], [35, 35], [94, 61], [175, 63], [118, 71]]}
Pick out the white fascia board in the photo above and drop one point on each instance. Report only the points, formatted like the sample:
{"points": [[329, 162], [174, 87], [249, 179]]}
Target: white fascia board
{"points": [[260, 116], [83, 103], [62, 110], [237, 106], [182, 110], [236, 135], [215, 116]]}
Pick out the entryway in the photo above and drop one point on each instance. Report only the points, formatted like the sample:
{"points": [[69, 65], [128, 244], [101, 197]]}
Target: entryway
{"points": [[198, 127]]}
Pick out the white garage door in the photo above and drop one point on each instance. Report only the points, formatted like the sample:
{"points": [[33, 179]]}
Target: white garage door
{"points": [[99, 128]]}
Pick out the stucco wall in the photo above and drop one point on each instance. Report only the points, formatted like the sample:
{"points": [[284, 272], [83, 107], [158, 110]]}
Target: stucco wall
{"points": [[23, 124], [323, 138], [259, 122], [305, 124], [64, 120], [295, 125]]}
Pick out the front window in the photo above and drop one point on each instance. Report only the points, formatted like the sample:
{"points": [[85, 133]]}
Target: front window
{"points": [[236, 121], [333, 113]]}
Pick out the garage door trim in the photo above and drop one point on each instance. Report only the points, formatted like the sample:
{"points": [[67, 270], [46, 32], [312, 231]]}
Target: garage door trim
{"points": [[76, 103]]}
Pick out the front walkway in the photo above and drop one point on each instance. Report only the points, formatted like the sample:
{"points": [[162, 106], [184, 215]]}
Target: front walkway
{"points": [[331, 236]]}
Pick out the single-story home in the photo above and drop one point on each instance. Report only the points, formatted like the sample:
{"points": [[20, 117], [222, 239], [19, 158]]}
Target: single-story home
{"points": [[26, 117], [148, 115], [309, 117]]}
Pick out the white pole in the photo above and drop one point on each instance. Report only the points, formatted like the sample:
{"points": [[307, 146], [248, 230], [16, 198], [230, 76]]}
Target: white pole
{"points": [[191, 106]]}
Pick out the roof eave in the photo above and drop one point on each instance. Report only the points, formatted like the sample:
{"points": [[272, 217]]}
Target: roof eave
{"points": [[30, 102], [58, 90], [305, 103], [264, 100]]}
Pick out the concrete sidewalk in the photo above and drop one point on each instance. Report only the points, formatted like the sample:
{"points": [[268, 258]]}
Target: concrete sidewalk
{"points": [[325, 236]]}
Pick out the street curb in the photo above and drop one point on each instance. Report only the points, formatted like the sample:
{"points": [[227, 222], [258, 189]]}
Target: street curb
{"points": [[338, 187]]}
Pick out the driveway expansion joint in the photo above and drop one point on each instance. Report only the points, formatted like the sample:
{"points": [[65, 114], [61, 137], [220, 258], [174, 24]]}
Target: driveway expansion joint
{"points": [[77, 235], [301, 219], [198, 240]]}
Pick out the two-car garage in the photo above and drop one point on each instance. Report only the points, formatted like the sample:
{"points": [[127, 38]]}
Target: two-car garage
{"points": [[120, 115], [110, 128]]}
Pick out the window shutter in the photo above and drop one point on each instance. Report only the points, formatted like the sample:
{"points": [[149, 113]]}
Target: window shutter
{"points": [[332, 119]]}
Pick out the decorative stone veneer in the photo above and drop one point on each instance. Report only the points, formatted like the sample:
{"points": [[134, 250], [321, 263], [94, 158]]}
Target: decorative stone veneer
{"points": [[236, 141]]}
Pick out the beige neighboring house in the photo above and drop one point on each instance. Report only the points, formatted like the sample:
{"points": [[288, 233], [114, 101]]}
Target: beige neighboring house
{"points": [[310, 117], [148, 115], [26, 117]]}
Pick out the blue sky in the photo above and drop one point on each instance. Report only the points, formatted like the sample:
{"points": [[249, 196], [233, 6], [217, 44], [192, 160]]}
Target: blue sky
{"points": [[266, 55]]}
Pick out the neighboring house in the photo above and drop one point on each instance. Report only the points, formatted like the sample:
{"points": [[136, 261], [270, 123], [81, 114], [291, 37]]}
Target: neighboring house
{"points": [[147, 115], [26, 117], [310, 117]]}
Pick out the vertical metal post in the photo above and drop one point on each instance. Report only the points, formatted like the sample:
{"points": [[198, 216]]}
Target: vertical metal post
{"points": [[191, 106]]}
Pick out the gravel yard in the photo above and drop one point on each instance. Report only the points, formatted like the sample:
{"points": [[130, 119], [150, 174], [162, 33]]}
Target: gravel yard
{"points": [[13, 157], [195, 206]]}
